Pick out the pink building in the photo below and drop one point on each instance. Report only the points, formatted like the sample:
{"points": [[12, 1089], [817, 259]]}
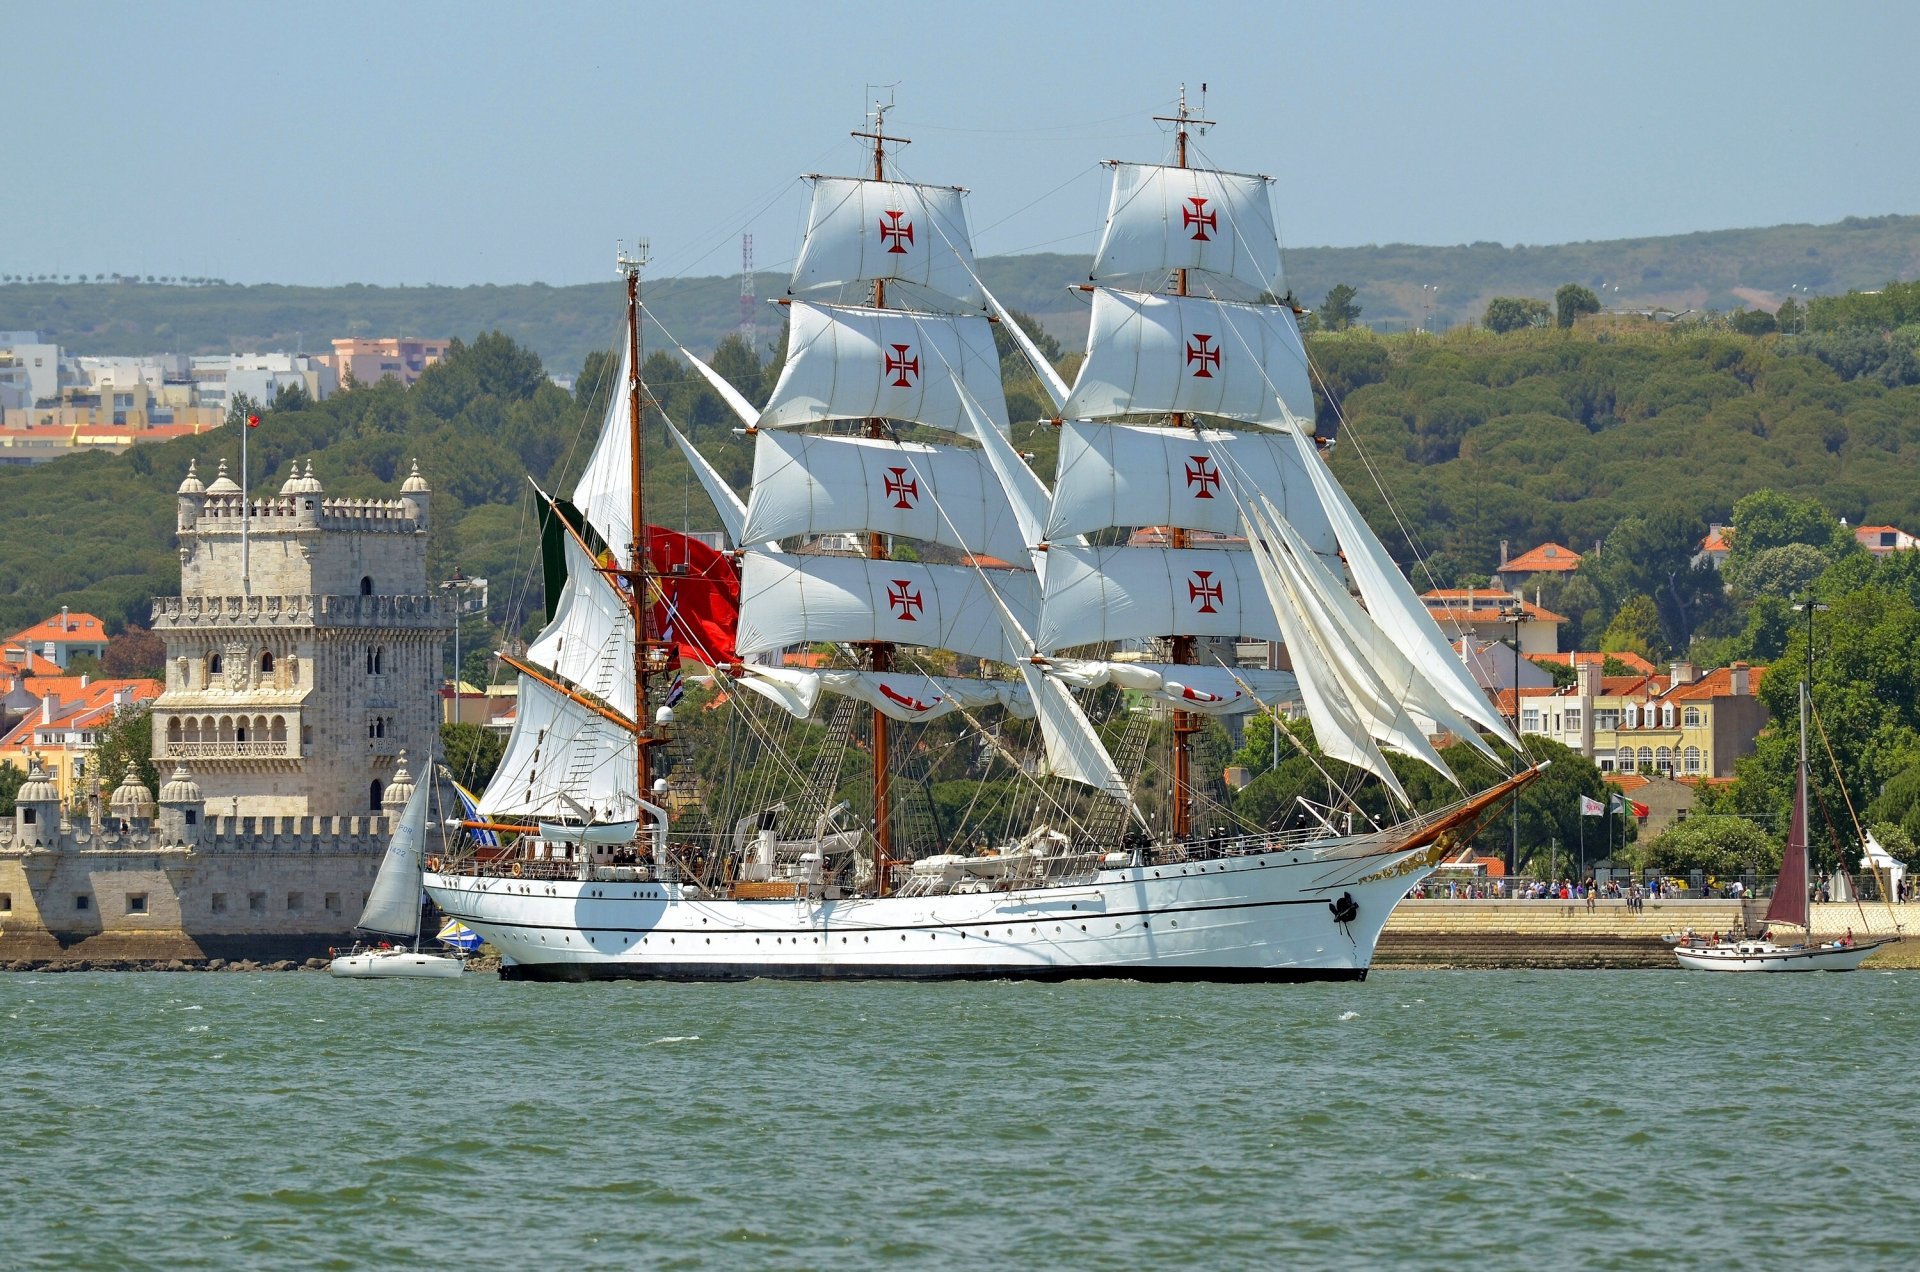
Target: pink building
{"points": [[371, 361]]}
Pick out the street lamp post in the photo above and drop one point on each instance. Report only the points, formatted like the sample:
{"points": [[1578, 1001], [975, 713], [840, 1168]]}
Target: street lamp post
{"points": [[455, 587], [1512, 612]]}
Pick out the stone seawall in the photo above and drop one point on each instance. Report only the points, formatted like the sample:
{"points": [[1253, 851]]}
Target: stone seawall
{"points": [[1507, 934]]}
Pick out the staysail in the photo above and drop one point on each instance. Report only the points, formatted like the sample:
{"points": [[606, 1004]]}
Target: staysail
{"points": [[393, 903]]}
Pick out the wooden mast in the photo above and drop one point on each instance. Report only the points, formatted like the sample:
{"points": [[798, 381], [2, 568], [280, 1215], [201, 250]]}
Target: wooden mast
{"points": [[880, 652], [1185, 723], [637, 571]]}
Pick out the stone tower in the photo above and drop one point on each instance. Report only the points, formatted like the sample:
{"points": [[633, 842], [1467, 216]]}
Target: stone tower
{"points": [[303, 652]]}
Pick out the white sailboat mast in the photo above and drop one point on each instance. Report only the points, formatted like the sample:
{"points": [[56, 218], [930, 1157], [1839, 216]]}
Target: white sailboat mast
{"points": [[880, 653], [1185, 723]]}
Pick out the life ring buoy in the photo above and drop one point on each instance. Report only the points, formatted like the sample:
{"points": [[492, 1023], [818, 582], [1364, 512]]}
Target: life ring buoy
{"points": [[517, 871], [433, 864]]}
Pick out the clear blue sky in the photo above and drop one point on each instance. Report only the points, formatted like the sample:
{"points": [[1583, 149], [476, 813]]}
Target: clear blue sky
{"points": [[485, 142]]}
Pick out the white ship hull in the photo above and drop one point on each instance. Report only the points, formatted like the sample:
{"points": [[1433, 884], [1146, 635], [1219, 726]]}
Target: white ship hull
{"points": [[1765, 957], [382, 964], [1266, 917]]}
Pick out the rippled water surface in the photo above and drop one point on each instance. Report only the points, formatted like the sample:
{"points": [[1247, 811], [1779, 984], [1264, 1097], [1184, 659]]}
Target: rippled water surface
{"points": [[1492, 1120]]}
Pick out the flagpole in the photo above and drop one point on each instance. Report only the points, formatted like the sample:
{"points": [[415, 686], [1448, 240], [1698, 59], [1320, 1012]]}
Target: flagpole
{"points": [[246, 574]]}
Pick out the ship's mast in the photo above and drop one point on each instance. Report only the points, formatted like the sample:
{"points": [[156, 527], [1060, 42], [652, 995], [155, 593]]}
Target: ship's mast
{"points": [[638, 571], [879, 652], [1185, 723]]}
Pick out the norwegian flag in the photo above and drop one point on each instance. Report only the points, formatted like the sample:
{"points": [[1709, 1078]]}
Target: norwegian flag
{"points": [[677, 690]]}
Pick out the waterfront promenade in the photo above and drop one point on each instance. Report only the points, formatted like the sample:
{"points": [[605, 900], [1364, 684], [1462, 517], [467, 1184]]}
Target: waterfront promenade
{"points": [[1503, 933]]}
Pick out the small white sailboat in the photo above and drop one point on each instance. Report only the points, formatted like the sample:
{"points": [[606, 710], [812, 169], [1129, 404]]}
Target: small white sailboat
{"points": [[1789, 906], [393, 905]]}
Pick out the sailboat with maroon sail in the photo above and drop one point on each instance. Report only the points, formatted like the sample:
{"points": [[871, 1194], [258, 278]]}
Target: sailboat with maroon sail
{"points": [[1193, 413], [1790, 907]]}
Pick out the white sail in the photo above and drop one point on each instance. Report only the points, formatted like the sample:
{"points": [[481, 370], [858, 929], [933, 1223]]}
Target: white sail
{"points": [[589, 643], [732, 510], [1193, 687], [792, 600], [1164, 218], [1107, 594], [604, 493], [1149, 353], [805, 484], [1397, 610], [736, 400], [1337, 724], [846, 362], [1072, 748], [559, 748], [1374, 677], [1134, 475], [862, 230], [902, 695], [393, 903]]}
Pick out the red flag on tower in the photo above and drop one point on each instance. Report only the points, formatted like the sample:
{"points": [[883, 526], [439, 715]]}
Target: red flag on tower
{"points": [[253, 421]]}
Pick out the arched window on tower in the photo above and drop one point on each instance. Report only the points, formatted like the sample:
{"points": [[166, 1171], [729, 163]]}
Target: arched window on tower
{"points": [[374, 792], [366, 585], [266, 664], [376, 660], [213, 664]]}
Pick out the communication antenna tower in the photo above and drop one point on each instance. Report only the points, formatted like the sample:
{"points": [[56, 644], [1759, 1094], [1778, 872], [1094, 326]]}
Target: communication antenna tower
{"points": [[747, 327]]}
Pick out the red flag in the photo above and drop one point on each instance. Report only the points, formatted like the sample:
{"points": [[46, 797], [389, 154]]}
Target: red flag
{"points": [[701, 589], [253, 421]]}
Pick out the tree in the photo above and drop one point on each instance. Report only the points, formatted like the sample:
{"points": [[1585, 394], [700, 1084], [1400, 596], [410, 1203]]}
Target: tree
{"points": [[1511, 313], [1338, 311], [240, 408], [1635, 630], [471, 753], [1792, 316], [135, 652], [1769, 519], [1719, 846], [291, 397], [1571, 301], [1784, 572], [1753, 322], [12, 779], [126, 743]]}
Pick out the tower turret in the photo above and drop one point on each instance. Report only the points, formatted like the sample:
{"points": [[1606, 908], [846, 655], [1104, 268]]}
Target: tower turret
{"points": [[36, 808], [132, 802], [182, 808], [414, 493], [193, 496]]}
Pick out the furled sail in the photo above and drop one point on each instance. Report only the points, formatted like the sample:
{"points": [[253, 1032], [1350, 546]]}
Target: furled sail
{"points": [[1165, 218], [791, 600], [1130, 475], [902, 695], [1105, 594], [589, 643], [393, 903], [847, 362], [558, 749], [1193, 687], [805, 484], [1072, 749], [860, 230], [1148, 353]]}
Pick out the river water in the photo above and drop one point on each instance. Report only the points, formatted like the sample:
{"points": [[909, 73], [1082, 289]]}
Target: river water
{"points": [[1486, 1119]]}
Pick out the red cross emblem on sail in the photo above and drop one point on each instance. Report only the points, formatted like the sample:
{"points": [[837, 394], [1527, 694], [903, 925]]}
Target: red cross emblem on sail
{"points": [[1196, 218], [895, 232], [902, 489], [902, 367], [905, 600], [1202, 356], [1201, 473], [1203, 590]]}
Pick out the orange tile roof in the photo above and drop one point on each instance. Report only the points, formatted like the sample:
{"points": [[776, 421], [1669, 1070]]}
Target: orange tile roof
{"points": [[1717, 542], [1717, 683], [981, 561], [1587, 659], [1480, 614], [1627, 782], [1548, 558], [92, 704], [79, 627], [1860, 530], [17, 661]]}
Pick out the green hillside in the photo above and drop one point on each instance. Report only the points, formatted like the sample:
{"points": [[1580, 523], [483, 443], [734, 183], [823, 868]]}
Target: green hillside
{"points": [[1718, 270]]}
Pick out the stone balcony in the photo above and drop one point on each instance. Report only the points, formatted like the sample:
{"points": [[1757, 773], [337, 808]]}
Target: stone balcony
{"points": [[420, 613], [282, 749]]}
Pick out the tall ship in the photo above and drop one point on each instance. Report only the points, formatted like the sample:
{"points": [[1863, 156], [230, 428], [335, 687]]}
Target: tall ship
{"points": [[1190, 425]]}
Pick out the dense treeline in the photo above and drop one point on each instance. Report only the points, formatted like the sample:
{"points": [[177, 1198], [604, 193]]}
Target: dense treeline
{"points": [[1404, 286]]}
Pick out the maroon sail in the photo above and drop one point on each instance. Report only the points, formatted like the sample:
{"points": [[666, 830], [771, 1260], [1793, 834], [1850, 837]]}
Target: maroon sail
{"points": [[1789, 904]]}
